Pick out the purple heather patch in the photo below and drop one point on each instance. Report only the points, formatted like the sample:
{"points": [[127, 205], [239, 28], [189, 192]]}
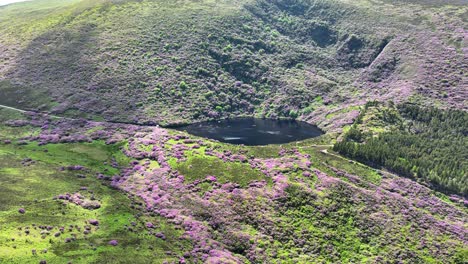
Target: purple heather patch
{"points": [[113, 243], [93, 222]]}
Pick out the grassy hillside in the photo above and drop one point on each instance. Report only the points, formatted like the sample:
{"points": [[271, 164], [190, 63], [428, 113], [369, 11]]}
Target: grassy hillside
{"points": [[166, 196], [182, 61], [57, 187]]}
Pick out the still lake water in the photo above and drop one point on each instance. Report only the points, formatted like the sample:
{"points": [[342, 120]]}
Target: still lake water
{"points": [[253, 131]]}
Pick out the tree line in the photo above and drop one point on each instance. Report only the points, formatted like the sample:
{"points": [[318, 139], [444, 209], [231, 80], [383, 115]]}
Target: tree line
{"points": [[429, 146]]}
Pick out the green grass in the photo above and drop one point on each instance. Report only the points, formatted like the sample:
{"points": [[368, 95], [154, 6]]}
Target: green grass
{"points": [[341, 111], [33, 188], [324, 161], [8, 114], [200, 166], [90, 155], [12, 133]]}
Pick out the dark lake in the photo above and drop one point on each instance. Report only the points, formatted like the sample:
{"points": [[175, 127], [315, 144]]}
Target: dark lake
{"points": [[253, 131]]}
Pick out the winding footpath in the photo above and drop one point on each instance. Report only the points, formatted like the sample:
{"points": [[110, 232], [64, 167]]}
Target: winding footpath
{"points": [[26, 111], [12, 108]]}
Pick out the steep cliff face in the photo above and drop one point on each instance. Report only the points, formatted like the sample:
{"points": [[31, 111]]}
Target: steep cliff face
{"points": [[183, 61]]}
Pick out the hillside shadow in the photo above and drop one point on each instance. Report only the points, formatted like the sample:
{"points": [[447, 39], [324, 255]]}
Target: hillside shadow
{"points": [[52, 67]]}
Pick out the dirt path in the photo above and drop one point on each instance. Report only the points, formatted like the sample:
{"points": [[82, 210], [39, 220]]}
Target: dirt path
{"points": [[325, 151], [12, 108], [25, 111]]}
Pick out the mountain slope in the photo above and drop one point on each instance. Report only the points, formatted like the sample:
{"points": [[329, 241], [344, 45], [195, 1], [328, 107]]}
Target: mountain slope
{"points": [[183, 61]]}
